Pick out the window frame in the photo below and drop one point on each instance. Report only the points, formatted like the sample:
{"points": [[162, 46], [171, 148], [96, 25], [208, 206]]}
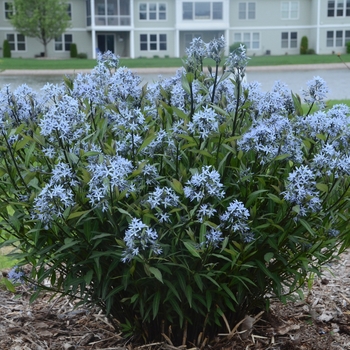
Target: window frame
{"points": [[160, 14], [15, 44], [69, 10], [64, 43], [252, 43], [153, 42], [290, 41], [8, 11], [244, 11], [337, 38], [190, 11], [290, 10], [338, 8]]}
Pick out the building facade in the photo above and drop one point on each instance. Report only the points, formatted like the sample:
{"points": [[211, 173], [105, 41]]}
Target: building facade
{"points": [[164, 28]]}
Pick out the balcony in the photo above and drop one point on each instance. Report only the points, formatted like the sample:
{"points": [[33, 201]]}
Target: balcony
{"points": [[110, 20]]}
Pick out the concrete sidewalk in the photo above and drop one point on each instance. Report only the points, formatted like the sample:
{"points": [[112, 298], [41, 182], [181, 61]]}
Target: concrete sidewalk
{"points": [[293, 67]]}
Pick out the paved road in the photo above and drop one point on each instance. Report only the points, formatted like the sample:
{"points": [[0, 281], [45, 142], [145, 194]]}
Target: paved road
{"points": [[336, 75]]}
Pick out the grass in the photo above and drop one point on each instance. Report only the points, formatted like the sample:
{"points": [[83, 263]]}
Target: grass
{"points": [[6, 262], [156, 62]]}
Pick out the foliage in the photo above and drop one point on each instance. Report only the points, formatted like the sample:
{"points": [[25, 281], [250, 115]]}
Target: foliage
{"points": [[6, 49], [177, 207], [73, 50], [236, 46], [82, 55], [41, 19], [304, 45], [348, 47]]}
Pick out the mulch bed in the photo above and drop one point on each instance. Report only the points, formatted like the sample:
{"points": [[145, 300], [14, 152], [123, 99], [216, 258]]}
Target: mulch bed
{"points": [[321, 321]]}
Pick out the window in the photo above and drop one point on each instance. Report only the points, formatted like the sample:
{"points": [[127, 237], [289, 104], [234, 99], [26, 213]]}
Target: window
{"points": [[203, 10], [62, 43], [69, 10], [290, 9], [250, 40], [112, 12], [289, 40], [153, 42], [337, 38], [17, 42], [152, 11], [338, 8], [246, 10], [8, 10]]}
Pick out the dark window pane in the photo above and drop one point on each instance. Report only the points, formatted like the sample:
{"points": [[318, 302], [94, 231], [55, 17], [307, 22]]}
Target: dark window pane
{"points": [[202, 10], [217, 10], [331, 6], [143, 46], [153, 46], [143, 37], [187, 10], [162, 46]]}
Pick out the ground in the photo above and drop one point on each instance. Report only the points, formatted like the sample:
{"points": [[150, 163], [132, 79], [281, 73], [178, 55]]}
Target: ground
{"points": [[320, 321]]}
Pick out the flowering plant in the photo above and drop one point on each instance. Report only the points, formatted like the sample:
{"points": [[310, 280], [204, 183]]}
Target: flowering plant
{"points": [[177, 207]]}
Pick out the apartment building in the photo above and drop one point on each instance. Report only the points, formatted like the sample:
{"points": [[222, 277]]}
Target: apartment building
{"points": [[142, 28]]}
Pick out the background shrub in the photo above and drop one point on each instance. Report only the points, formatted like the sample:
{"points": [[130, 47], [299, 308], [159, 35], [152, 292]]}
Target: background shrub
{"points": [[82, 55], [182, 205], [6, 49], [235, 46], [304, 45], [73, 50], [348, 47]]}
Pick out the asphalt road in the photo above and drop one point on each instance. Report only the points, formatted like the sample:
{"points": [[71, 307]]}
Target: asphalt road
{"points": [[337, 76]]}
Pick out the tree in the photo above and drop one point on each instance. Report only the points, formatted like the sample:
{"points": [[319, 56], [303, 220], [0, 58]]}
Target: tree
{"points": [[41, 19]]}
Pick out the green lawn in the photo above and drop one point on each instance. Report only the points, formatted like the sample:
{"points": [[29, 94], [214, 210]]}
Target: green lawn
{"points": [[34, 63]]}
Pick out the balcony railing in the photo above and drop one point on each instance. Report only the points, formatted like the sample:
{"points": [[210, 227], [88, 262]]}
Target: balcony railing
{"points": [[108, 20]]}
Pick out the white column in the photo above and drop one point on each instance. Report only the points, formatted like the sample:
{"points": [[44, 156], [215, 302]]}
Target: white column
{"points": [[177, 43], [93, 31], [318, 27], [132, 43], [178, 19], [227, 38]]}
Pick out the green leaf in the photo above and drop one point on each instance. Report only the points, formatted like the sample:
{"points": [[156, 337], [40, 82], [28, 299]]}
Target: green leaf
{"points": [[198, 281], [275, 198], [172, 289], [9, 285], [307, 226], [78, 214], [88, 276], [282, 156], [177, 186], [297, 104], [228, 291], [155, 304], [268, 256], [147, 141], [188, 294], [322, 187], [156, 273], [190, 247]]}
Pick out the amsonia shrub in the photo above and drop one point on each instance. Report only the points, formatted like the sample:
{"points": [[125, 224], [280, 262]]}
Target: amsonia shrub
{"points": [[177, 207]]}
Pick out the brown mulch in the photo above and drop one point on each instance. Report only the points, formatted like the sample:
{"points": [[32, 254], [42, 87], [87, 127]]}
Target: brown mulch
{"points": [[320, 321]]}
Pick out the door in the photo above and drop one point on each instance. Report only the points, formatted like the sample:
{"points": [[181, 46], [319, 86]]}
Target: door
{"points": [[105, 42]]}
